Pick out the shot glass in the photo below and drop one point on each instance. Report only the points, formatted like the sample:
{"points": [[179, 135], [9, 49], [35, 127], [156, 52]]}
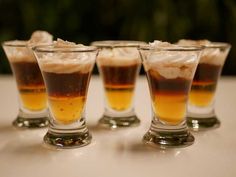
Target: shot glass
{"points": [[201, 112], [119, 64], [32, 95], [169, 72], [66, 71]]}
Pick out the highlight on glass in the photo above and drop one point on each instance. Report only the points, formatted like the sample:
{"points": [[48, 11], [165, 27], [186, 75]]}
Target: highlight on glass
{"points": [[32, 95], [201, 111], [66, 69], [119, 64], [169, 70]]}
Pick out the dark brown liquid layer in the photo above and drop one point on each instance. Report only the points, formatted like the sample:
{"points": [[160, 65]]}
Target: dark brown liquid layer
{"points": [[67, 84], [119, 75], [27, 73], [204, 84], [169, 97], [162, 85], [207, 73]]}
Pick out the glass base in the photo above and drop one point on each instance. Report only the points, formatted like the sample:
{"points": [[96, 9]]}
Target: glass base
{"points": [[166, 140], [67, 141], [167, 136], [67, 136], [21, 122], [198, 124], [119, 122]]}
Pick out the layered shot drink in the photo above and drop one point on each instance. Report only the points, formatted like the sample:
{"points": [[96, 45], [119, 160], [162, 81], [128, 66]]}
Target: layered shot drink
{"points": [[119, 64], [66, 69], [119, 83], [201, 114], [32, 94], [67, 91], [170, 92], [29, 82], [170, 70]]}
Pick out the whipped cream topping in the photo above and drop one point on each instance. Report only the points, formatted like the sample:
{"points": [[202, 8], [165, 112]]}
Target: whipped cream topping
{"points": [[61, 43], [171, 64], [40, 37], [19, 50], [66, 61], [118, 56], [159, 44], [210, 54]]}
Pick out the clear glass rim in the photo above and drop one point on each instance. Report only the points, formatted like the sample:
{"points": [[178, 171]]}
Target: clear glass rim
{"points": [[117, 43], [15, 43], [65, 49], [221, 45], [22, 43], [172, 48]]}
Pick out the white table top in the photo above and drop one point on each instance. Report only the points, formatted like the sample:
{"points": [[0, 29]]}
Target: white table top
{"points": [[120, 152]]}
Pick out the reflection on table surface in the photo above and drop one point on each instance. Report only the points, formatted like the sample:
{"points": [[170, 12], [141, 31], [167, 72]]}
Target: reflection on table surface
{"points": [[118, 152]]}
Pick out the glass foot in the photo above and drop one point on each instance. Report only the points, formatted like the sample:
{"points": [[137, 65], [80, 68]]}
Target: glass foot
{"points": [[118, 122], [198, 124], [67, 141], [164, 139], [21, 122]]}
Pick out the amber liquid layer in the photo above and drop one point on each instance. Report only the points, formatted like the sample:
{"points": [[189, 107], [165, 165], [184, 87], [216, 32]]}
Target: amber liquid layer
{"points": [[30, 85], [67, 109], [204, 85], [67, 95], [119, 84], [169, 97], [119, 97]]}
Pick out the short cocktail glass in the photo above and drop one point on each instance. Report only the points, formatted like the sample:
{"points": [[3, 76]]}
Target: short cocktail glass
{"points": [[201, 112], [66, 71], [119, 64], [170, 70], [32, 95]]}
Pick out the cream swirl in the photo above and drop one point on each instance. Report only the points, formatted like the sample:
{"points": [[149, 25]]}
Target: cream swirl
{"points": [[40, 37], [171, 63]]}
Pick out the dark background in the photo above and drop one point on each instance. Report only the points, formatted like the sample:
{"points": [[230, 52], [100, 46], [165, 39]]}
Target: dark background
{"points": [[146, 20]]}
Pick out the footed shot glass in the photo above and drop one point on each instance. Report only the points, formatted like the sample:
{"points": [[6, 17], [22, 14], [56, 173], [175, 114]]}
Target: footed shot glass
{"points": [[201, 107], [169, 70], [66, 71], [119, 64], [32, 94]]}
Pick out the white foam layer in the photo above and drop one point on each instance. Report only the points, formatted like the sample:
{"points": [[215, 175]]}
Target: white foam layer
{"points": [[17, 51], [118, 56], [20, 51], [213, 56], [171, 64], [209, 55], [63, 66], [66, 62]]}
